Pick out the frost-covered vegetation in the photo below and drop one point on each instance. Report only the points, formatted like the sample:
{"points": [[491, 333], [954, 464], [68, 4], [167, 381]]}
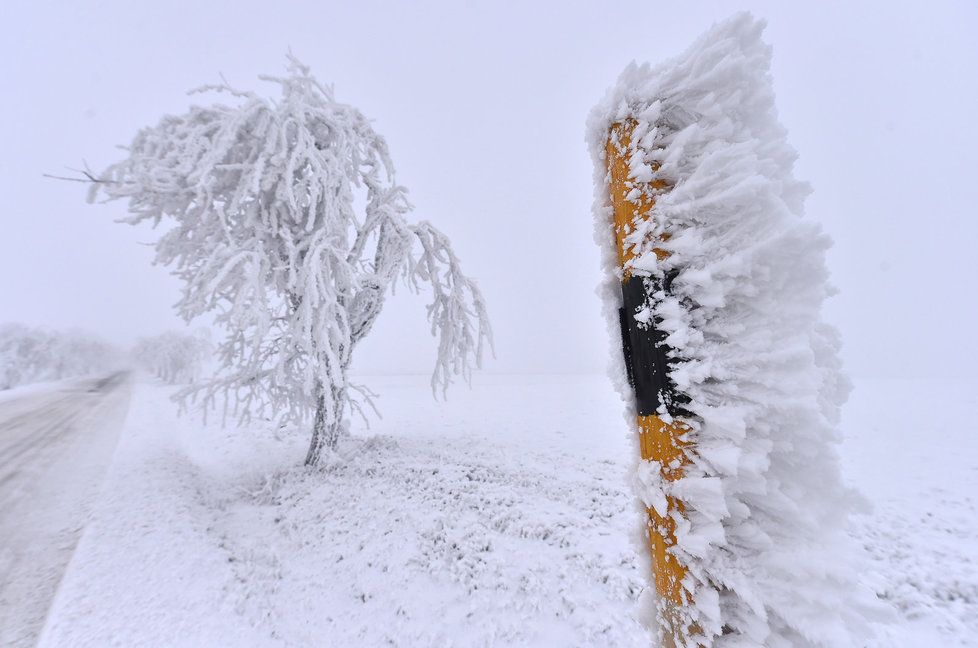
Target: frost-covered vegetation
{"points": [[174, 357], [763, 534], [285, 220], [31, 354], [470, 525]]}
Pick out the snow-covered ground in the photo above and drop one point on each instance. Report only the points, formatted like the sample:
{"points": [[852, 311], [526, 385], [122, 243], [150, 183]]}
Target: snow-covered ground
{"points": [[912, 448], [499, 518]]}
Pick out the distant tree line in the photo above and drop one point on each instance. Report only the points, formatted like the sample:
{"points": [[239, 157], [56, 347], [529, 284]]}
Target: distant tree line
{"points": [[174, 357], [32, 354]]}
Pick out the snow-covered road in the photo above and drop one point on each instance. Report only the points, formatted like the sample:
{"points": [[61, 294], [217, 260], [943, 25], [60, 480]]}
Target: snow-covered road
{"points": [[55, 443]]}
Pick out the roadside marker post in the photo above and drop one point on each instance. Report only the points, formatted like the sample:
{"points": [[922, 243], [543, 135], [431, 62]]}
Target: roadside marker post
{"points": [[662, 432]]}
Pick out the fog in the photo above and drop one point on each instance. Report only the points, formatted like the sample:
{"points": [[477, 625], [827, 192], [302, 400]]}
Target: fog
{"points": [[483, 106]]}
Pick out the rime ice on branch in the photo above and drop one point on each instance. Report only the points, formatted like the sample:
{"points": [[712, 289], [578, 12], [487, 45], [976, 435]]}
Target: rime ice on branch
{"points": [[284, 220], [762, 528]]}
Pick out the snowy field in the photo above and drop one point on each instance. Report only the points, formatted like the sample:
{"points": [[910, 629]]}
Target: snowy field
{"points": [[499, 518], [912, 449]]}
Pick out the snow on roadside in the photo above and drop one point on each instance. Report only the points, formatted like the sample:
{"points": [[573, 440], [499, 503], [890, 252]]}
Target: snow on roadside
{"points": [[442, 546], [145, 571], [498, 518], [498, 534]]}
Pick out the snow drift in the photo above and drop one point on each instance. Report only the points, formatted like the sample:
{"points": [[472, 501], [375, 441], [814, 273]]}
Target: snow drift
{"points": [[764, 536]]}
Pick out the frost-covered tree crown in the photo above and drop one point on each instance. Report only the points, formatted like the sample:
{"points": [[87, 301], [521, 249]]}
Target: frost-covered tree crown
{"points": [[284, 220]]}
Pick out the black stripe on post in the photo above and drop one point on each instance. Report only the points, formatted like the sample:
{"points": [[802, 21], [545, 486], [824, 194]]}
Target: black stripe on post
{"points": [[646, 352], [626, 345]]}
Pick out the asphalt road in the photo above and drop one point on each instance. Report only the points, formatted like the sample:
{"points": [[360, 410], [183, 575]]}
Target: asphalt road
{"points": [[55, 446]]}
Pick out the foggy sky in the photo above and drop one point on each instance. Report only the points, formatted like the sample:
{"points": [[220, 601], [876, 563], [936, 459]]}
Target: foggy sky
{"points": [[483, 106]]}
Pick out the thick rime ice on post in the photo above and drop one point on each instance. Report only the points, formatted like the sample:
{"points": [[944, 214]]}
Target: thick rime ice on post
{"points": [[288, 225], [764, 536]]}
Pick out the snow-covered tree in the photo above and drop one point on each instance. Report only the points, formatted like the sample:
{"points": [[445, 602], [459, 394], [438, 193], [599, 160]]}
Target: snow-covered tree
{"points": [[25, 353], [29, 354], [734, 279], [285, 221], [174, 357]]}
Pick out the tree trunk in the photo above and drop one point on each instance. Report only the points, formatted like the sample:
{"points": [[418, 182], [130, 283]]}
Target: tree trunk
{"points": [[325, 434]]}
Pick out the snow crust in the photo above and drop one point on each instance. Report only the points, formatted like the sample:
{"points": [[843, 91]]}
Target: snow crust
{"points": [[764, 538]]}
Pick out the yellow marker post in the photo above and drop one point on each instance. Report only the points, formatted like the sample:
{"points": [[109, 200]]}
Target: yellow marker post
{"points": [[659, 441]]}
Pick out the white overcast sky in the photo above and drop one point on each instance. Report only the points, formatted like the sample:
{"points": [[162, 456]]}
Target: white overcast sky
{"points": [[483, 105]]}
